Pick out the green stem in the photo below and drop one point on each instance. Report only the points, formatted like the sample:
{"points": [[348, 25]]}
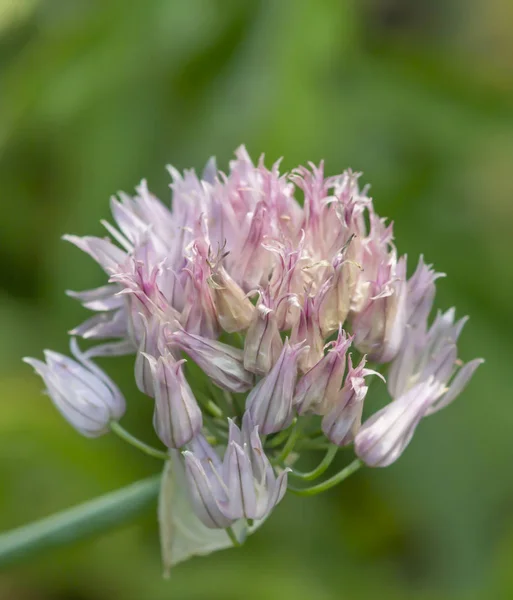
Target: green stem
{"points": [[79, 522], [278, 439], [289, 444], [321, 467], [232, 536], [313, 445], [128, 437], [329, 483]]}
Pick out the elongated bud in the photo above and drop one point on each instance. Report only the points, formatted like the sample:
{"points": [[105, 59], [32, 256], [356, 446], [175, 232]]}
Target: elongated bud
{"points": [[385, 435], [269, 488], [307, 329], [177, 417], [234, 309], [319, 389], [199, 314], [343, 421], [421, 294], [222, 363], [81, 391], [152, 344], [209, 494], [252, 260], [336, 303], [270, 401], [263, 343], [379, 328]]}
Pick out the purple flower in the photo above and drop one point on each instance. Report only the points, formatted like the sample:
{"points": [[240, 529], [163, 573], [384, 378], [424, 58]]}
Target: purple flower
{"points": [[336, 302], [263, 343], [270, 401], [421, 294], [234, 310], [81, 391], [221, 362], [432, 354], [243, 485], [379, 326], [177, 417], [424, 378], [153, 344], [384, 436], [308, 329], [344, 418], [243, 259], [319, 388]]}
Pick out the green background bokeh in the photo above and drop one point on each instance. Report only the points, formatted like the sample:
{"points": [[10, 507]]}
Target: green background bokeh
{"points": [[95, 95]]}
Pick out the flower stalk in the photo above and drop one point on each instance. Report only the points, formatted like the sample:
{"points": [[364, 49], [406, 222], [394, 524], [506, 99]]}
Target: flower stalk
{"points": [[137, 443], [329, 483]]}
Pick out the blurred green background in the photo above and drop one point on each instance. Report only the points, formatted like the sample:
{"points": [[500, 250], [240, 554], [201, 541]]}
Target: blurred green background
{"points": [[95, 95]]}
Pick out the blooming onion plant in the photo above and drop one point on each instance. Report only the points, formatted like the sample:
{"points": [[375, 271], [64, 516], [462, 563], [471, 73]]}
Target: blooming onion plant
{"points": [[257, 309]]}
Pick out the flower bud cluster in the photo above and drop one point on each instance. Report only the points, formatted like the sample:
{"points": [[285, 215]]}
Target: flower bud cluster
{"points": [[280, 307]]}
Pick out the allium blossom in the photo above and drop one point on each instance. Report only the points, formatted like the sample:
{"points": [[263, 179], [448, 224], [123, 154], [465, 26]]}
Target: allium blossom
{"points": [[267, 299], [243, 485], [342, 422], [85, 396]]}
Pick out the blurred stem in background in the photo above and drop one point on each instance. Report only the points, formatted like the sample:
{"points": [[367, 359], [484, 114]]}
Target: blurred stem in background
{"points": [[79, 522]]}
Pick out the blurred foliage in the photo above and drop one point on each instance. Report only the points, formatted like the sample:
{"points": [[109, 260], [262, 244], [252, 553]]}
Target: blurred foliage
{"points": [[94, 95]]}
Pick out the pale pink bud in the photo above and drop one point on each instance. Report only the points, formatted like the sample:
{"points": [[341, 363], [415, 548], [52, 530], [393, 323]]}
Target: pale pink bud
{"points": [[263, 343], [307, 329], [221, 362], [81, 391], [153, 344], [385, 435], [270, 401], [379, 328], [336, 303], [344, 418], [250, 261], [233, 307], [199, 315], [288, 279], [318, 389], [421, 294], [177, 417]]}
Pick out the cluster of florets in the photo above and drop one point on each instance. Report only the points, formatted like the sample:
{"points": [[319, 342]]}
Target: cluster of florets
{"points": [[279, 288]]}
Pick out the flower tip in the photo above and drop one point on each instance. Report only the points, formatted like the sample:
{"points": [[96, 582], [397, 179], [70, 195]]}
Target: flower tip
{"points": [[68, 237], [30, 361]]}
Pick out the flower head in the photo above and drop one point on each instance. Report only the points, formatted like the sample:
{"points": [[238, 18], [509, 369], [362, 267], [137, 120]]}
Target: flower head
{"points": [[260, 291]]}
